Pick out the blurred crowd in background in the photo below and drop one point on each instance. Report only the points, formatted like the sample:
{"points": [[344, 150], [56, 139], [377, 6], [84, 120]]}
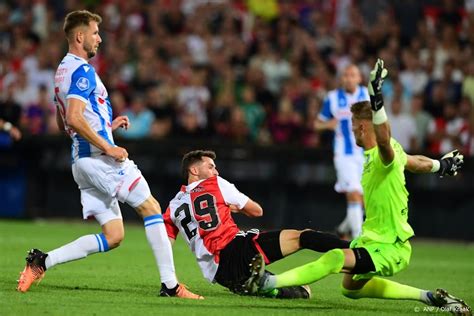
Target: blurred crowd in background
{"points": [[251, 71]]}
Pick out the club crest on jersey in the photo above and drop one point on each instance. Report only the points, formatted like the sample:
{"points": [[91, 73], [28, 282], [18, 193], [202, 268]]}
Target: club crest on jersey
{"points": [[82, 83]]}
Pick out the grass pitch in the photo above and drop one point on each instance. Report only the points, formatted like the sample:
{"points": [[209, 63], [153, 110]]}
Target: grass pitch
{"points": [[125, 281]]}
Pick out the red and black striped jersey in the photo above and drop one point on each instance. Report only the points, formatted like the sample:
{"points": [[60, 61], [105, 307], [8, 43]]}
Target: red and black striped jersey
{"points": [[201, 212]]}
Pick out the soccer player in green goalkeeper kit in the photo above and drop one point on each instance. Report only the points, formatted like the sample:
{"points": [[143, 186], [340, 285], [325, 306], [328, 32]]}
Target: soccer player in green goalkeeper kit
{"points": [[383, 249]]}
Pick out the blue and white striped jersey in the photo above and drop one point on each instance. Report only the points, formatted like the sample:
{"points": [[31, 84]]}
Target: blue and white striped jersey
{"points": [[76, 78], [338, 105]]}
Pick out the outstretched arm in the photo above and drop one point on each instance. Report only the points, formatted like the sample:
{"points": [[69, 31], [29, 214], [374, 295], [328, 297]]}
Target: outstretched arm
{"points": [[383, 135], [379, 117], [321, 125], [419, 164], [251, 209], [449, 164]]}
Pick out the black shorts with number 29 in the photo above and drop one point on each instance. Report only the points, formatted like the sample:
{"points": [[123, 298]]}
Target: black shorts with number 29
{"points": [[235, 258]]}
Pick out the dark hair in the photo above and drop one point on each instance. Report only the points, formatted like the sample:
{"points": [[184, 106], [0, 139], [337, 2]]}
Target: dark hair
{"points": [[79, 18], [192, 157], [362, 110]]}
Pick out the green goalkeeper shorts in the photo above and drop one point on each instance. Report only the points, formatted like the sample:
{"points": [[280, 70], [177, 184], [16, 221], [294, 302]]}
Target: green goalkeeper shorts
{"points": [[388, 259]]}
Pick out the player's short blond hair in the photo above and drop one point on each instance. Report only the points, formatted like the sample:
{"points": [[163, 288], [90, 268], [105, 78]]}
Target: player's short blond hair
{"points": [[79, 18], [362, 110]]}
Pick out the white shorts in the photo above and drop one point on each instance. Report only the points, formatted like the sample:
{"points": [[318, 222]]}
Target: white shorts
{"points": [[103, 182], [349, 173]]}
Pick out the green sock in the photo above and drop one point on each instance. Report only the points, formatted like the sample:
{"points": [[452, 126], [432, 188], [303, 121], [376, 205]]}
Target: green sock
{"points": [[331, 262], [383, 288]]}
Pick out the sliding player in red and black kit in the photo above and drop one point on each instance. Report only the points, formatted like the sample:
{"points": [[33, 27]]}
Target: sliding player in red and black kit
{"points": [[201, 211]]}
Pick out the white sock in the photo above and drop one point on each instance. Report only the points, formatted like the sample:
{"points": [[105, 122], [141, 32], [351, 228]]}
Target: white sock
{"points": [[355, 217], [425, 297], [343, 226], [158, 239], [78, 249]]}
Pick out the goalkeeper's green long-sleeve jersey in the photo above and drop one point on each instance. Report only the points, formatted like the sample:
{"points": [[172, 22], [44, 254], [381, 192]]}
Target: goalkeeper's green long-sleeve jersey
{"points": [[385, 197]]}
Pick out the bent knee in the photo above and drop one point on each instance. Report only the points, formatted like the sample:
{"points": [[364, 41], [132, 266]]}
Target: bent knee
{"points": [[149, 208]]}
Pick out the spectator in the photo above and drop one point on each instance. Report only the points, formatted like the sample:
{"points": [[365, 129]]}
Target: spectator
{"points": [[40, 118], [193, 100], [403, 127], [141, 119], [8, 132], [468, 82], [285, 125], [24, 93], [161, 106], [436, 99], [413, 78], [119, 104], [276, 71], [10, 110], [466, 134], [422, 119], [221, 114], [253, 111], [238, 129], [10, 114], [286, 52], [445, 132]]}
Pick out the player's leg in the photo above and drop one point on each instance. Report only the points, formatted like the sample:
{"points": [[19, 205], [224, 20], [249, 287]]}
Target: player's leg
{"points": [[272, 249], [376, 287], [288, 241], [333, 261], [381, 288], [349, 172], [157, 237], [110, 238], [106, 211], [136, 192], [354, 213], [37, 262], [320, 241], [368, 286], [385, 289], [357, 260], [234, 260], [274, 246]]}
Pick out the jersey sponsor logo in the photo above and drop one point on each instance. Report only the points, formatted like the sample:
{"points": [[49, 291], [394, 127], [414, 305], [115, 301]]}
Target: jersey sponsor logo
{"points": [[197, 189], [82, 83]]}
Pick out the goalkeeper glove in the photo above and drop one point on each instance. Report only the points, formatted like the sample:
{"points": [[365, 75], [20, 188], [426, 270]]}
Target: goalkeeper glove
{"points": [[377, 76], [450, 163]]}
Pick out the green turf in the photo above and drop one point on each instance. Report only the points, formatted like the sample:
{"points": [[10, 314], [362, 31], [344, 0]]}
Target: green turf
{"points": [[126, 281]]}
